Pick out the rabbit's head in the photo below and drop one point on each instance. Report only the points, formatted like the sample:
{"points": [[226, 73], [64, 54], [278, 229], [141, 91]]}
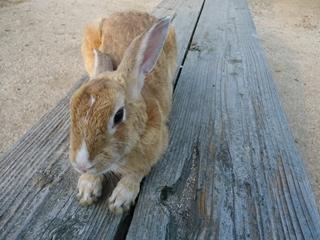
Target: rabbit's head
{"points": [[108, 114]]}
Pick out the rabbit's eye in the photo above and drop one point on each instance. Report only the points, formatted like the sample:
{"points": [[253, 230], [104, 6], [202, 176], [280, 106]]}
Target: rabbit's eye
{"points": [[118, 116]]}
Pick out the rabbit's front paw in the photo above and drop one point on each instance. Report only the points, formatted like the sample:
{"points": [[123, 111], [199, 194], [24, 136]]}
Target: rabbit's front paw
{"points": [[123, 196], [90, 188]]}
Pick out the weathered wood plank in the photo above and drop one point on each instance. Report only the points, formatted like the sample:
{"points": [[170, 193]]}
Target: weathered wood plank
{"points": [[185, 14], [232, 170], [38, 187]]}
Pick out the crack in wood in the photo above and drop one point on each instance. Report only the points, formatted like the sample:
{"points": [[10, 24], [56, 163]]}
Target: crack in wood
{"points": [[181, 198]]}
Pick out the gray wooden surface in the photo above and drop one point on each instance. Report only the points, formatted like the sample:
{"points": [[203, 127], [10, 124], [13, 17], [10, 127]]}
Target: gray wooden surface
{"points": [[37, 185], [231, 171]]}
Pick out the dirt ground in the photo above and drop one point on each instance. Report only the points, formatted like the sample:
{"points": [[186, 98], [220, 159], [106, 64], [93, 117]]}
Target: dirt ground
{"points": [[290, 35], [40, 57], [40, 61]]}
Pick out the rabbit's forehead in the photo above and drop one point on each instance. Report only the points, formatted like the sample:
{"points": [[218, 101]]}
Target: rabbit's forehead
{"points": [[105, 103], [96, 107], [104, 97]]}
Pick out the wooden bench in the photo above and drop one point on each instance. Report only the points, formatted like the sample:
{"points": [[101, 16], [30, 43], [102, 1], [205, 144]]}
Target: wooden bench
{"points": [[231, 171]]}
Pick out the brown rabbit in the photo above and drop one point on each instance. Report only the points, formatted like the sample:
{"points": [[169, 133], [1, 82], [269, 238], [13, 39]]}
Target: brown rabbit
{"points": [[118, 118]]}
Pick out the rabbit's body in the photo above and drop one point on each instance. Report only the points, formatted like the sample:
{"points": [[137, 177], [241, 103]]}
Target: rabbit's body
{"points": [[113, 36], [131, 79]]}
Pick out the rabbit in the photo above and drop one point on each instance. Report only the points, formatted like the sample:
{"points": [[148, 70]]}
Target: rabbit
{"points": [[119, 117]]}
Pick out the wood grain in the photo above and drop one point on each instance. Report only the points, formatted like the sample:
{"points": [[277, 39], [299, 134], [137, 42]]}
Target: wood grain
{"points": [[38, 186], [185, 15], [232, 170]]}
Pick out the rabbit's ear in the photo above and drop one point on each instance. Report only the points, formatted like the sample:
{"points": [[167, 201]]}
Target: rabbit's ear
{"points": [[142, 55], [102, 63]]}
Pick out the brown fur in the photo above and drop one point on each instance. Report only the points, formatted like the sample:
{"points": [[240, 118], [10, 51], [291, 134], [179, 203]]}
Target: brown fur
{"points": [[142, 138]]}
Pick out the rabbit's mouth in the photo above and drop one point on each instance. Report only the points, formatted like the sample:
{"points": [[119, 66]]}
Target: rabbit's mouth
{"points": [[106, 162], [84, 169]]}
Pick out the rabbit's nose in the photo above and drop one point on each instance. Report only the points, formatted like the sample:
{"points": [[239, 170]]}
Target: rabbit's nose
{"points": [[82, 162]]}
